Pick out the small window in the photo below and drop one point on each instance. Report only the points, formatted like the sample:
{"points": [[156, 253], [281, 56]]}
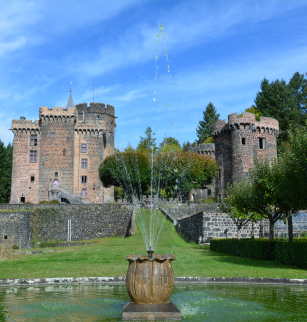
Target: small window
{"points": [[52, 135], [83, 148], [33, 156], [83, 193], [243, 141], [83, 163], [5, 237], [56, 174], [32, 178], [33, 140], [22, 199], [219, 174], [220, 197], [209, 192], [83, 179], [261, 143]]}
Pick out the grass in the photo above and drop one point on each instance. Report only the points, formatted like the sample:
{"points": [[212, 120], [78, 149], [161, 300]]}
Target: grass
{"points": [[107, 258]]}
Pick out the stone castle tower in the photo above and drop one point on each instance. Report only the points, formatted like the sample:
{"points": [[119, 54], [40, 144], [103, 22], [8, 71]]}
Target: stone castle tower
{"points": [[58, 156], [238, 143]]}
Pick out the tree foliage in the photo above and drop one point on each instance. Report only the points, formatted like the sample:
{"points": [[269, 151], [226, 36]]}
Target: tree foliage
{"points": [[148, 142], [238, 203], [129, 170], [284, 102], [6, 157], [203, 130], [179, 172]]}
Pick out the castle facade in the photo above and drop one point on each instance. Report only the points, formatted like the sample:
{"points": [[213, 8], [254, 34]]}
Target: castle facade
{"points": [[58, 156], [237, 144]]}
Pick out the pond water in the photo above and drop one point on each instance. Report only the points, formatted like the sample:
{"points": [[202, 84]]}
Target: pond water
{"points": [[213, 302]]}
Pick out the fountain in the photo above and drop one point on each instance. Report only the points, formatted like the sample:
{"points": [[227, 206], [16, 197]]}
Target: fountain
{"points": [[150, 279]]}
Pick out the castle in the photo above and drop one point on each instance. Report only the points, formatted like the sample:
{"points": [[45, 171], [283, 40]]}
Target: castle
{"points": [[58, 156], [237, 144]]}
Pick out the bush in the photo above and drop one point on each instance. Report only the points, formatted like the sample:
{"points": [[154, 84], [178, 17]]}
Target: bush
{"points": [[15, 246], [51, 243], [51, 202], [279, 249]]}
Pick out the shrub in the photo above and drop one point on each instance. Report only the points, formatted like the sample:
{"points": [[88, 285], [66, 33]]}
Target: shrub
{"points": [[50, 243], [15, 246], [51, 202], [279, 249]]}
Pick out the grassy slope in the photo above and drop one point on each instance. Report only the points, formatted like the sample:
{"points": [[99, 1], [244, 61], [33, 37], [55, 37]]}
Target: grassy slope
{"points": [[107, 258]]}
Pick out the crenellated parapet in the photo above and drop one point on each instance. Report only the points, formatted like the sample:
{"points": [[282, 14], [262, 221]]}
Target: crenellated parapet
{"points": [[58, 114], [203, 149], [96, 108], [247, 121], [25, 126]]}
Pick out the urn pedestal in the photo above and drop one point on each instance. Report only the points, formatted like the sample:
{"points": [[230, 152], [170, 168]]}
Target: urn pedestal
{"points": [[150, 283]]}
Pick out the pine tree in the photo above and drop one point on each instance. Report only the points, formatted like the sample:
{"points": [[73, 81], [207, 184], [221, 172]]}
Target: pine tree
{"points": [[203, 130], [148, 142]]}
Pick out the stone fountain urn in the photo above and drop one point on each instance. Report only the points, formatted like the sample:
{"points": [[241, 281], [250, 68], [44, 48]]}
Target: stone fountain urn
{"points": [[150, 279]]}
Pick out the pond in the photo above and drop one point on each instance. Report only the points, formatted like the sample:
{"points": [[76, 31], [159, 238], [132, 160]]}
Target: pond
{"points": [[211, 302]]}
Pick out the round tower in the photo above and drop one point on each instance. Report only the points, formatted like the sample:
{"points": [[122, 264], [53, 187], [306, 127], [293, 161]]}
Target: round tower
{"points": [[238, 143]]}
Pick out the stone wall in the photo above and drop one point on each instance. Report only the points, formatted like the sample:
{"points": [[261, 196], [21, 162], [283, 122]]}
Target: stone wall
{"points": [[49, 222], [204, 226], [16, 226]]}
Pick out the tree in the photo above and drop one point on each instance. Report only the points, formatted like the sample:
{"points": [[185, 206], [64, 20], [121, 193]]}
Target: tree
{"points": [[253, 110], [169, 141], [6, 157], [268, 184], [129, 170], [185, 146], [238, 203], [147, 143], [210, 117], [284, 102], [179, 172]]}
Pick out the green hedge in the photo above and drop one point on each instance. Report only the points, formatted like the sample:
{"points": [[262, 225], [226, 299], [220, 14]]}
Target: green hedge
{"points": [[279, 249]]}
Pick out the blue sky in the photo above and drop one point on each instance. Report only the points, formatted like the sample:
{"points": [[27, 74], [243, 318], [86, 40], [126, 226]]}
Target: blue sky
{"points": [[218, 51]]}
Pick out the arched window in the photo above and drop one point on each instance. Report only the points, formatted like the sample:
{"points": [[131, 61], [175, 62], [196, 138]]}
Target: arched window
{"points": [[56, 183]]}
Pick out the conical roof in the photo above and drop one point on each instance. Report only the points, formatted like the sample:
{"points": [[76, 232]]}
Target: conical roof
{"points": [[70, 102]]}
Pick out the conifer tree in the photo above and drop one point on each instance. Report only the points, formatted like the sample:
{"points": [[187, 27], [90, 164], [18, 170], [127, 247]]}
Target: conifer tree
{"points": [[203, 130], [6, 155], [148, 142]]}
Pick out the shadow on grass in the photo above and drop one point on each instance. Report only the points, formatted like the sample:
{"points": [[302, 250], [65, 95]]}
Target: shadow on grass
{"points": [[244, 261]]}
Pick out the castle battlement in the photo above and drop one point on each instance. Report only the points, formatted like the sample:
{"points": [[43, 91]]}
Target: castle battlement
{"points": [[264, 125], [25, 125], [95, 108], [57, 112]]}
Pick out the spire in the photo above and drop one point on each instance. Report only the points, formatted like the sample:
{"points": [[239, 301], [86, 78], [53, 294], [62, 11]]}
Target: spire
{"points": [[70, 102]]}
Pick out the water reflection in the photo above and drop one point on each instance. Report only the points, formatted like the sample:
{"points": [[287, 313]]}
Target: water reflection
{"points": [[213, 302]]}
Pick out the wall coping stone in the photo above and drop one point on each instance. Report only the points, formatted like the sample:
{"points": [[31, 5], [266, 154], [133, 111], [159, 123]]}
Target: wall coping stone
{"points": [[122, 279]]}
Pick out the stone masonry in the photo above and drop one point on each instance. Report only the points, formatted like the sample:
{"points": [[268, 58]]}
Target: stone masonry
{"points": [[15, 226], [64, 149], [238, 143], [49, 222]]}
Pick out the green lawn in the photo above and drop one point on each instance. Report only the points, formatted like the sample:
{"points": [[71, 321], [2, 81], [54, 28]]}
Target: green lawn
{"points": [[107, 258]]}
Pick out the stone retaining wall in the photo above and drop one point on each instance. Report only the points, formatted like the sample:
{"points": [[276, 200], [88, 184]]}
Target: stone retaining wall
{"points": [[204, 226], [49, 222]]}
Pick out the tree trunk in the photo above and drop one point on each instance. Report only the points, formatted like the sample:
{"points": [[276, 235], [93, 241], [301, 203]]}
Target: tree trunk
{"points": [[290, 228], [239, 233], [271, 234]]}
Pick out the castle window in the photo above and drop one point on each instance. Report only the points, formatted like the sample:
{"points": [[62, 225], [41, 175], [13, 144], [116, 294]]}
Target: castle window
{"points": [[83, 179], [83, 163], [243, 141], [83, 193], [32, 178], [33, 156], [261, 143], [219, 174], [56, 174], [83, 147], [22, 200], [209, 192], [33, 141], [52, 135]]}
